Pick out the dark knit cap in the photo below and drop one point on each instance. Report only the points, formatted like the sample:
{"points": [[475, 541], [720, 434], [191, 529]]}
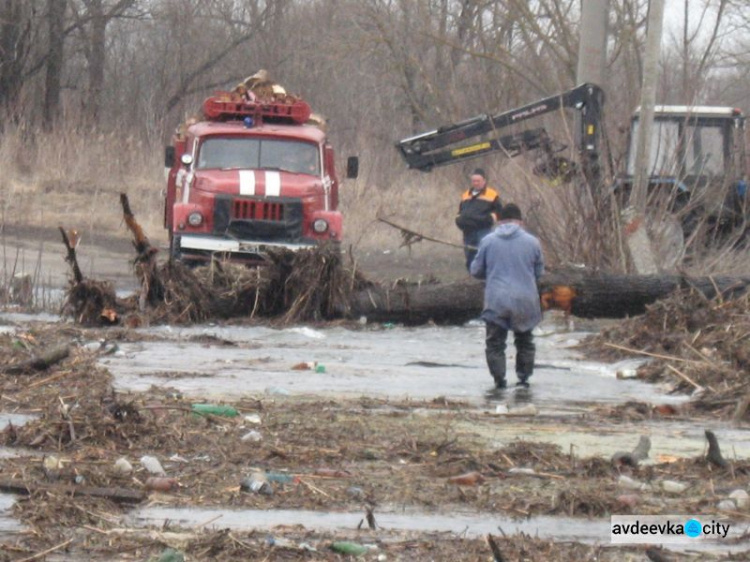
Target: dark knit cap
{"points": [[479, 172]]}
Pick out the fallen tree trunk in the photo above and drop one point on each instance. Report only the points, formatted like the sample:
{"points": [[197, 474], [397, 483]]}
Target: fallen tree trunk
{"points": [[40, 363], [122, 495], [581, 294]]}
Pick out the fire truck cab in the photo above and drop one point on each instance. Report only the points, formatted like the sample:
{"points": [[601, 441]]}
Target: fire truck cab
{"points": [[250, 177]]}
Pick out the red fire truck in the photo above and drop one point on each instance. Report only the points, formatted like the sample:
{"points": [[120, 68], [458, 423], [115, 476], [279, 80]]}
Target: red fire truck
{"points": [[251, 176]]}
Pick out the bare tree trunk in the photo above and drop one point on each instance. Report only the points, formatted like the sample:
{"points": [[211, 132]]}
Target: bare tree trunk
{"points": [[686, 89], [637, 237], [96, 60], [592, 47], [53, 78], [14, 44]]}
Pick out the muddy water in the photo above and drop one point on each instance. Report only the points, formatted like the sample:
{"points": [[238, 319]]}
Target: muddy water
{"points": [[422, 363], [668, 440], [8, 525], [468, 524], [472, 524]]}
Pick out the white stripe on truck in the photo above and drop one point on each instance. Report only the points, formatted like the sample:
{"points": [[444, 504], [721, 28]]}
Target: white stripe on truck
{"points": [[273, 184], [247, 182]]}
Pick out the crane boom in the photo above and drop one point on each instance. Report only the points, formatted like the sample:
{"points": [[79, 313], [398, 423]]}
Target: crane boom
{"points": [[437, 148]]}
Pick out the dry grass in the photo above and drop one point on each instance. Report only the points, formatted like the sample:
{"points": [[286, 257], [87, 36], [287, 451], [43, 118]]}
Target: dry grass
{"points": [[73, 178]]}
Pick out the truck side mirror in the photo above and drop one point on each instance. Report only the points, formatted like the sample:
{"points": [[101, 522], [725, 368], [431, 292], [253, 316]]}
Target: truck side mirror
{"points": [[352, 167], [169, 154]]}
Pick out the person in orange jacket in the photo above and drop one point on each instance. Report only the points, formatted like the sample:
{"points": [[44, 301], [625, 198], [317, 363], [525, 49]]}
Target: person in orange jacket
{"points": [[479, 209]]}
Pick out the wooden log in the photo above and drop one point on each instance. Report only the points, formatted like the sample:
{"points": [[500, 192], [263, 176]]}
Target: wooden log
{"points": [[714, 452], [581, 294], [450, 303], [70, 246], [121, 495], [618, 296], [43, 361], [152, 288]]}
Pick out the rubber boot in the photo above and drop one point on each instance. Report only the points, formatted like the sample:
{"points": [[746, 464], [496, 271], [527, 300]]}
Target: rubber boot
{"points": [[525, 354], [495, 353]]}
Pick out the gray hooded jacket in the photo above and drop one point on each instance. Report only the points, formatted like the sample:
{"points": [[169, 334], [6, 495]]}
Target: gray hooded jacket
{"points": [[510, 261]]}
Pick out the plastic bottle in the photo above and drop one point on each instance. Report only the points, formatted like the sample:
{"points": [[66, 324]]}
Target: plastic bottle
{"points": [[152, 465], [281, 477], [277, 391], [355, 492], [345, 547], [279, 542], [258, 483], [171, 555], [215, 409], [123, 466]]}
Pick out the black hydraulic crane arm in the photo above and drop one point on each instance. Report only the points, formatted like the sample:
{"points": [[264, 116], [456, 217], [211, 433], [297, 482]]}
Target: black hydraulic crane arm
{"points": [[423, 152]]}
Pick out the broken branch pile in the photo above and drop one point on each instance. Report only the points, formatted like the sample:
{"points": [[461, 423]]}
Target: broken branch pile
{"points": [[701, 345], [295, 287]]}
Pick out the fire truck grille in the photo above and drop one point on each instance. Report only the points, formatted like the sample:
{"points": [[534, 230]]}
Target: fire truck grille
{"points": [[277, 219], [257, 210]]}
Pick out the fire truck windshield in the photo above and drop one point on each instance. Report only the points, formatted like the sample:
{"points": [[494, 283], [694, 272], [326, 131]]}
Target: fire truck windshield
{"points": [[254, 153]]}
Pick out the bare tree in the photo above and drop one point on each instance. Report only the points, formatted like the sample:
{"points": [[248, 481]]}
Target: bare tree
{"points": [[55, 59], [16, 30], [696, 48], [92, 19]]}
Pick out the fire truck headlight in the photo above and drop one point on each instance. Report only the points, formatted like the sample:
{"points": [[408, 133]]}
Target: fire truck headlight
{"points": [[320, 225], [195, 219]]}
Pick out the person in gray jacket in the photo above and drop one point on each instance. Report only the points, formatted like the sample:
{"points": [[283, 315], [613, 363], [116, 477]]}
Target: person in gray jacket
{"points": [[510, 261]]}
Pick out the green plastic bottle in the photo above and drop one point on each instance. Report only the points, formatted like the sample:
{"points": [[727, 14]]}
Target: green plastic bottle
{"points": [[171, 555], [215, 409], [281, 477], [349, 548]]}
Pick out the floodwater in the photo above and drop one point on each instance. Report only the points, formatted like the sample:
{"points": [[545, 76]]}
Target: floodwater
{"points": [[229, 362], [216, 362], [459, 523], [8, 524], [471, 524], [419, 363]]}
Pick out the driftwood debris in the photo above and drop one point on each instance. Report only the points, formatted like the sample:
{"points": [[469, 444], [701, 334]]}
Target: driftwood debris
{"points": [[583, 295], [121, 495], [39, 363], [152, 288], [623, 458], [714, 452], [497, 555], [70, 239], [91, 303], [412, 237]]}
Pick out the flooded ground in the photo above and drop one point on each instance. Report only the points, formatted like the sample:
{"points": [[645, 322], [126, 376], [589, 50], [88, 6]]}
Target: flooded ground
{"points": [[420, 363], [417, 363], [372, 379]]}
